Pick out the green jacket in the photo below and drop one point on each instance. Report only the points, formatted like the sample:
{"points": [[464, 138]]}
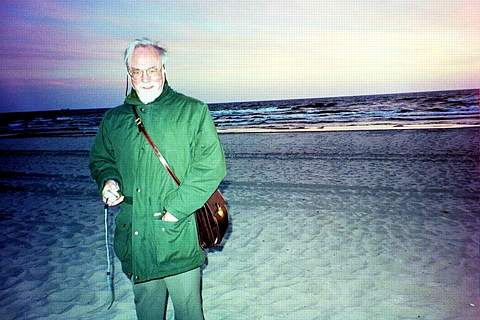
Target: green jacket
{"points": [[183, 130]]}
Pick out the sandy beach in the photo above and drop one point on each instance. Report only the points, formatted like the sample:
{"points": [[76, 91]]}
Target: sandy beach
{"points": [[374, 224]]}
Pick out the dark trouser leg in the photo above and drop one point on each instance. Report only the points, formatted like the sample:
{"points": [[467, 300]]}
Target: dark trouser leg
{"points": [[150, 299], [184, 290]]}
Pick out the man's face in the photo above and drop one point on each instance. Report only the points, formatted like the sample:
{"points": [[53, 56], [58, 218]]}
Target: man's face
{"points": [[147, 73]]}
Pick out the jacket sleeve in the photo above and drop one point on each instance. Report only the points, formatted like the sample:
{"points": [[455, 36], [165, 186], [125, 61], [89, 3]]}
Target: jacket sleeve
{"points": [[204, 174], [102, 158]]}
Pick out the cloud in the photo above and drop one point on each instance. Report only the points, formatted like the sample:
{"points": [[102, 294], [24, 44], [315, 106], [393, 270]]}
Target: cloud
{"points": [[238, 48], [65, 83], [47, 11]]}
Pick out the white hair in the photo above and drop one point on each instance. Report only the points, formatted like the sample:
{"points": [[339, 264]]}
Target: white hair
{"points": [[143, 42]]}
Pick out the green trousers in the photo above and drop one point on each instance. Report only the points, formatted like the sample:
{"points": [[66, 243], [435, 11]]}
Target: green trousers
{"points": [[151, 297]]}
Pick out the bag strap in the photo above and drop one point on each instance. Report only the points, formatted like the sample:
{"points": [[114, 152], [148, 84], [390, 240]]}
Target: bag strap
{"points": [[141, 128]]}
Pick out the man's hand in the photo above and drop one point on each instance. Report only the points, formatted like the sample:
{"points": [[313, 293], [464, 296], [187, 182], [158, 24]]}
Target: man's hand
{"points": [[111, 195], [169, 217]]}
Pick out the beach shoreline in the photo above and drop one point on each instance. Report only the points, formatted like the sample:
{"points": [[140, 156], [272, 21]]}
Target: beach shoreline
{"points": [[290, 128]]}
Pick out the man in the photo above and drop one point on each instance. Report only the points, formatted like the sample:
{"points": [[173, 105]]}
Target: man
{"points": [[155, 235]]}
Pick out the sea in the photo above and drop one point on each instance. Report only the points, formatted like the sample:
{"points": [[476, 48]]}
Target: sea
{"points": [[461, 107]]}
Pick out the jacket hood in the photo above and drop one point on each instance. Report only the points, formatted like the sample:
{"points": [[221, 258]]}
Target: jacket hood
{"points": [[132, 98]]}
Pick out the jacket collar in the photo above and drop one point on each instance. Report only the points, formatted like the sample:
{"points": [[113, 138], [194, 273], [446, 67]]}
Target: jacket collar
{"points": [[132, 98]]}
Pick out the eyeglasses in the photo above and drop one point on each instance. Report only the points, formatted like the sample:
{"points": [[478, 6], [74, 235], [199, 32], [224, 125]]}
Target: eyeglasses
{"points": [[153, 72]]}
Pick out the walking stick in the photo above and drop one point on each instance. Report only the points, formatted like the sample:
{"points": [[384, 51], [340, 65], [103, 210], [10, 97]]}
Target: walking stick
{"points": [[109, 262]]}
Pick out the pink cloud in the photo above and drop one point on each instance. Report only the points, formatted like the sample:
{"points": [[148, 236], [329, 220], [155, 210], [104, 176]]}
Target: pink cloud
{"points": [[50, 9], [30, 50], [39, 43], [60, 83], [468, 13]]}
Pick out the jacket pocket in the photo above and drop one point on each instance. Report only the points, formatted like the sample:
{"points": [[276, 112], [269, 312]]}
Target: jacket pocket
{"points": [[122, 240], [176, 241]]}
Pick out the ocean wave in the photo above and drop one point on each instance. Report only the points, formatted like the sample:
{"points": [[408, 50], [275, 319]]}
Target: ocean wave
{"points": [[407, 107]]}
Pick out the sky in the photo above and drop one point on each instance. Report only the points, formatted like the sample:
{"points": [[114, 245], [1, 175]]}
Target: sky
{"points": [[68, 54]]}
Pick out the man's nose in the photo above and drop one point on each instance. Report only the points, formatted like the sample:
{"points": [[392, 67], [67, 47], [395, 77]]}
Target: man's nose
{"points": [[145, 76]]}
